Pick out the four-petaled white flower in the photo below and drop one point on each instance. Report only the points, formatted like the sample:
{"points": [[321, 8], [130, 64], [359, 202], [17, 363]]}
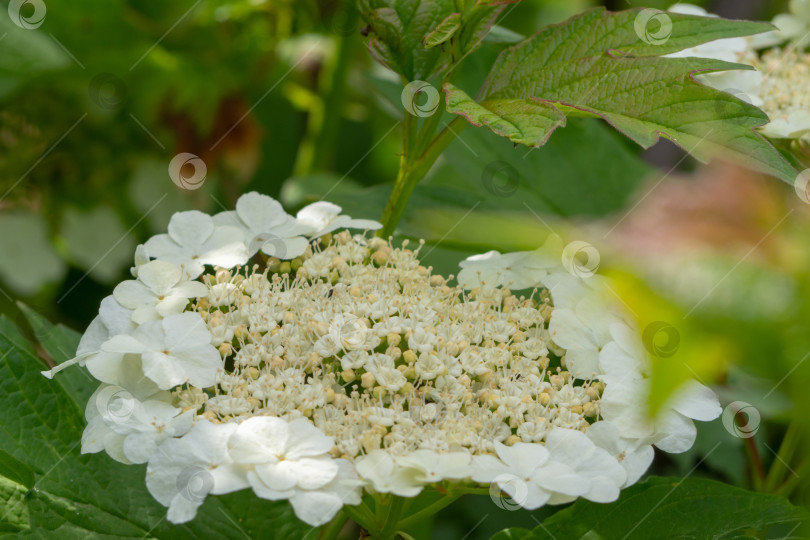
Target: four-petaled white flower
{"points": [[174, 350], [183, 471], [324, 217], [129, 429], [596, 466], [266, 226], [526, 472], [625, 366], [160, 290], [194, 240], [291, 461]]}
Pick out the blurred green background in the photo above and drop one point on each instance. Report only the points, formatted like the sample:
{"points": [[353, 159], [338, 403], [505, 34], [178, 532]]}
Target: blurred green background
{"points": [[282, 97]]}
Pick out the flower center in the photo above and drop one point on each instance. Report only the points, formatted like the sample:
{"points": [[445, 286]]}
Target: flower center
{"points": [[379, 352]]}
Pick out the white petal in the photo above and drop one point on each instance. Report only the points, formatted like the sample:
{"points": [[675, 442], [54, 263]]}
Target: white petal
{"points": [[677, 433], [310, 473], [318, 215], [159, 276], [258, 440], [314, 507], [262, 490], [190, 228], [305, 440], [696, 401]]}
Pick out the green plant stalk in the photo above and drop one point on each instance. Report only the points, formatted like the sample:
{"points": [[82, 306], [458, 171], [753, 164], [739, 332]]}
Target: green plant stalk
{"points": [[325, 143], [412, 171], [778, 470], [318, 145], [333, 528]]}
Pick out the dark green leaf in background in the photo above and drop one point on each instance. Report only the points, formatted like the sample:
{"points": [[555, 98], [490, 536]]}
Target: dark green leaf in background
{"points": [[667, 508]]}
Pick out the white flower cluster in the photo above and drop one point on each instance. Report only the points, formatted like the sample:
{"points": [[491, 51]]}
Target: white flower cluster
{"points": [[778, 84], [342, 364]]}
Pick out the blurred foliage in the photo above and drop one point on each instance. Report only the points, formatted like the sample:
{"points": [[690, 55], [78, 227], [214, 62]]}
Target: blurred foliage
{"points": [[282, 97]]}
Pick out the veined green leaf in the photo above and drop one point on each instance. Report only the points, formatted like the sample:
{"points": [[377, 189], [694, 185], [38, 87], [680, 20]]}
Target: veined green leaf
{"points": [[406, 35], [690, 508], [60, 342], [597, 64], [446, 29]]}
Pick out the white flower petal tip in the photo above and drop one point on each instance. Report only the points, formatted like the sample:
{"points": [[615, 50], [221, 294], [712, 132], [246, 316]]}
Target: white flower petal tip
{"points": [[324, 217]]}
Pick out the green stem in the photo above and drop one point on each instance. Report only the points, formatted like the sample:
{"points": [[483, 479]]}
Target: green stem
{"points": [[325, 144], [778, 470], [318, 146], [412, 171], [429, 510], [332, 530], [391, 524]]}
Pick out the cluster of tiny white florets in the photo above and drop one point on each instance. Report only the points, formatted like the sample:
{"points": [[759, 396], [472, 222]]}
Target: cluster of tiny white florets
{"points": [[341, 364], [785, 95], [378, 352]]}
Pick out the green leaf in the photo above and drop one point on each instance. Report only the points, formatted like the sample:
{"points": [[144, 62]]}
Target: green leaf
{"points": [[61, 342], [24, 53], [13, 510], [524, 121], [446, 29], [687, 508], [406, 35], [81, 496], [595, 64]]}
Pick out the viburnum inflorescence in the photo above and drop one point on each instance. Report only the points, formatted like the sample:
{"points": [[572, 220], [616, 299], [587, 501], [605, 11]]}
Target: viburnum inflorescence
{"points": [[340, 364]]}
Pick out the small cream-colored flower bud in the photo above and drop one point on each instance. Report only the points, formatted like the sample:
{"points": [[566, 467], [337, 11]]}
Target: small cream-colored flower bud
{"points": [[367, 380]]}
